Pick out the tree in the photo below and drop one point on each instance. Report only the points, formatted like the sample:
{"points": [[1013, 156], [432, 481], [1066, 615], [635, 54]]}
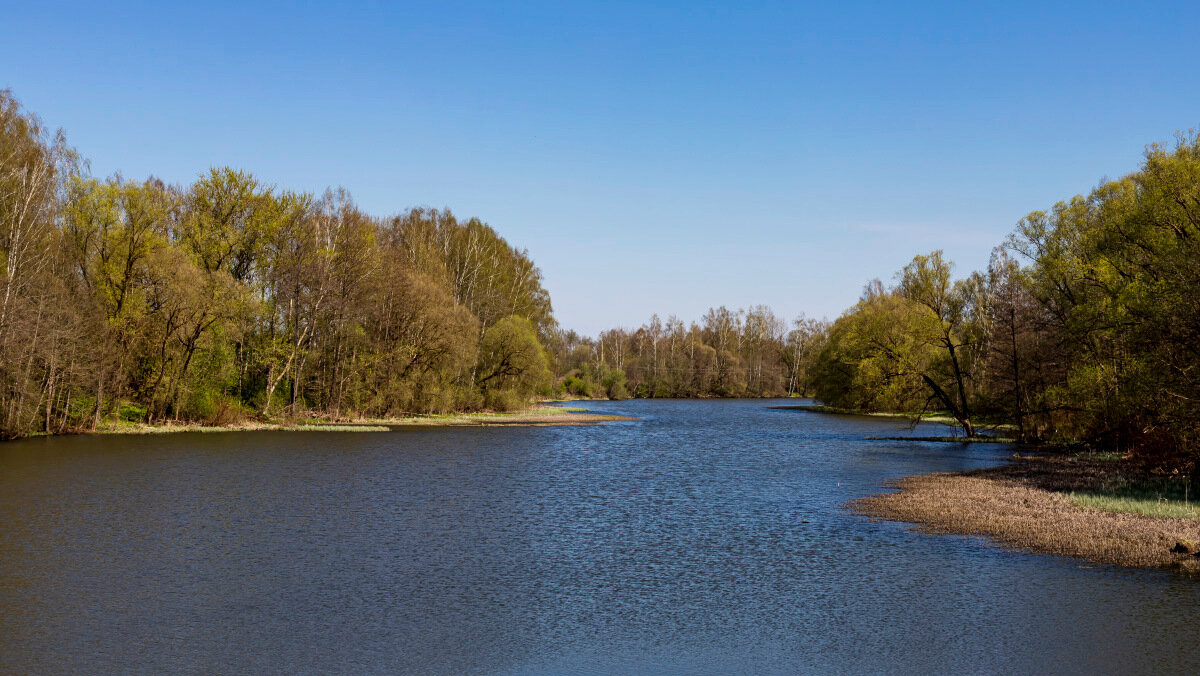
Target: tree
{"points": [[423, 341], [1116, 273], [878, 356], [511, 359], [40, 321], [926, 282], [803, 343]]}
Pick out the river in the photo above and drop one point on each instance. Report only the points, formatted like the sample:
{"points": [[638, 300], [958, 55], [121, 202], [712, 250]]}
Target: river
{"points": [[706, 537]]}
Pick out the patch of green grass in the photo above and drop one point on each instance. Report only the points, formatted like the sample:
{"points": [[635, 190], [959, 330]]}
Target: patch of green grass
{"points": [[1135, 504], [205, 429], [131, 412]]}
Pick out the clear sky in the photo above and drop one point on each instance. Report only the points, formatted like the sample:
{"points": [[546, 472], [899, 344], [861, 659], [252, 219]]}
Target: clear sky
{"points": [[653, 157]]}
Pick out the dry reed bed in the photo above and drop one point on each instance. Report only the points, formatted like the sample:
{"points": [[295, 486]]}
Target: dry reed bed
{"points": [[1019, 506]]}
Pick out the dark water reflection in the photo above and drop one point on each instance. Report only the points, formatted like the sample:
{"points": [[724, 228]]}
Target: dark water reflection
{"points": [[709, 537]]}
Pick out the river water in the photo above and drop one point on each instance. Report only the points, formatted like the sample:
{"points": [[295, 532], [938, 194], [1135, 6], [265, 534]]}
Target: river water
{"points": [[706, 537]]}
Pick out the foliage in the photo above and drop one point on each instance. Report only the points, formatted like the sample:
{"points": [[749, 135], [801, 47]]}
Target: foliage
{"points": [[1115, 274], [1085, 327], [512, 362], [227, 297], [727, 354], [876, 356]]}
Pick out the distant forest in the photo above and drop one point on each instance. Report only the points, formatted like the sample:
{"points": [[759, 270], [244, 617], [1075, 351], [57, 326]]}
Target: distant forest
{"points": [[229, 299], [743, 353]]}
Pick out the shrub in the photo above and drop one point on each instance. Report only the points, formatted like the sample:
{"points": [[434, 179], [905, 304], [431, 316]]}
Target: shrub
{"points": [[576, 386], [617, 391], [504, 400], [213, 408], [131, 412]]}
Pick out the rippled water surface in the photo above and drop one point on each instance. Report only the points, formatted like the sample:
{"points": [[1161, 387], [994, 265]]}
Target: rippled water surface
{"points": [[707, 537]]}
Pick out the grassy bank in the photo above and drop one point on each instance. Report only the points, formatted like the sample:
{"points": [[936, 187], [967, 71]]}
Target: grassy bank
{"points": [[1092, 507], [539, 416]]}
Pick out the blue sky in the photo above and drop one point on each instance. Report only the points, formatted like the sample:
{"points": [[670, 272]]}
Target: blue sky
{"points": [[653, 157]]}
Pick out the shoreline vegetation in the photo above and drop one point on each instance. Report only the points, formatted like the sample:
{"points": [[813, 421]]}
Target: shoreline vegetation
{"points": [[539, 415], [228, 300], [835, 410], [1100, 507], [983, 433]]}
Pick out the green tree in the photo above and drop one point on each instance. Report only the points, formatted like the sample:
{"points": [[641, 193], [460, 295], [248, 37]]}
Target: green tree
{"points": [[879, 356], [511, 360], [926, 282]]}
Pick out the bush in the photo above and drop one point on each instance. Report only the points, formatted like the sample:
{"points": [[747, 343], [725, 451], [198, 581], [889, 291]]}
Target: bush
{"points": [[613, 383], [214, 408], [576, 386], [504, 400], [131, 412], [617, 391]]}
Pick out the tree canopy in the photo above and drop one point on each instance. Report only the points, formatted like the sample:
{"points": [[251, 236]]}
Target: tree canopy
{"points": [[229, 297]]}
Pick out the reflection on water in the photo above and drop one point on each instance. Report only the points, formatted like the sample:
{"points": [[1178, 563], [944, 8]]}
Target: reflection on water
{"points": [[708, 537]]}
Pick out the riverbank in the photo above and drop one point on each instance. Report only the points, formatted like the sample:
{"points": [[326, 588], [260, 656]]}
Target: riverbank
{"points": [[820, 408], [535, 416], [1097, 507], [989, 433]]}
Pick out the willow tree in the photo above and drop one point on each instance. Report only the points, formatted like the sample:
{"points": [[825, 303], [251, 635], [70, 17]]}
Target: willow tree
{"points": [[512, 362], [878, 356], [951, 305]]}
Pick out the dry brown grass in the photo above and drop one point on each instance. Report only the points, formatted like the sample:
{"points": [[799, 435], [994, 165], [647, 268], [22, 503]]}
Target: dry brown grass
{"points": [[1023, 506]]}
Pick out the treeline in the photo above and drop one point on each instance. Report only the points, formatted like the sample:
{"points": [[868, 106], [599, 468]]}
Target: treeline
{"points": [[743, 353], [1085, 326], [228, 298]]}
